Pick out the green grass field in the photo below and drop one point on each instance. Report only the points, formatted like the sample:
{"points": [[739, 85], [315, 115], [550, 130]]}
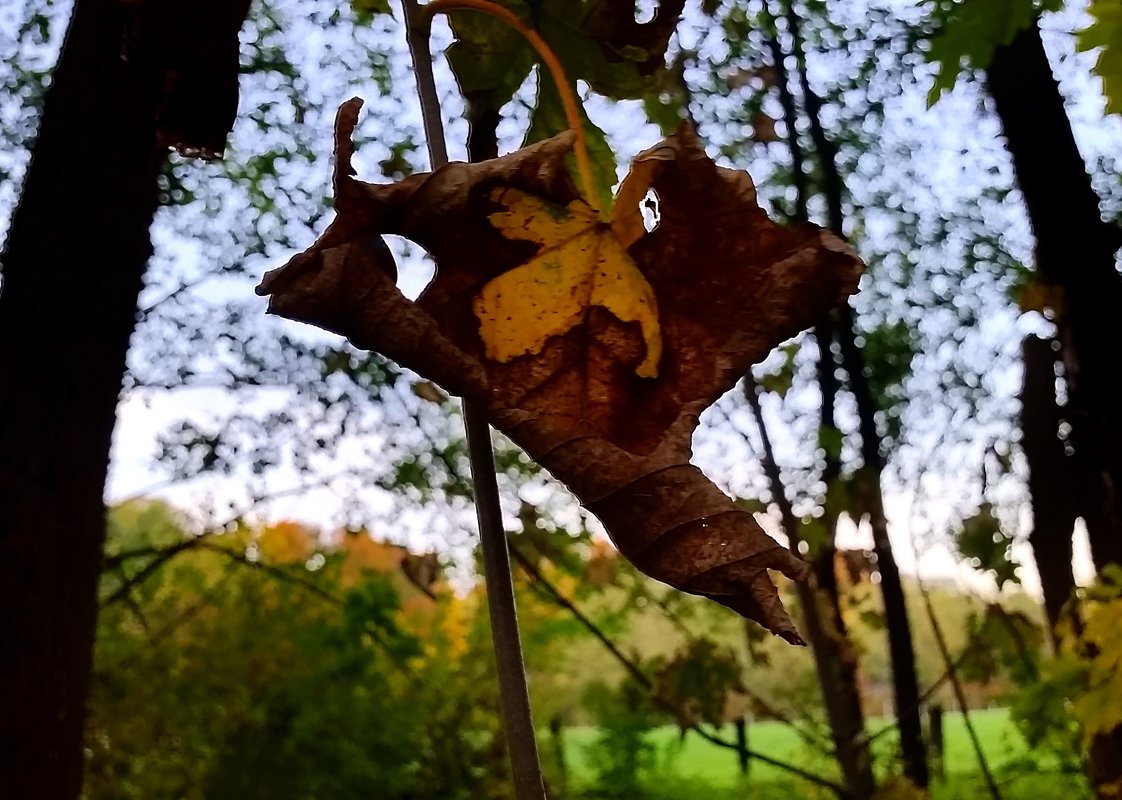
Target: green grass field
{"points": [[693, 768]]}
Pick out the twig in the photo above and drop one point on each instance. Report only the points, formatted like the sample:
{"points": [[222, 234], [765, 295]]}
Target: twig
{"points": [[956, 684], [790, 115], [514, 695], [176, 622], [162, 556], [823, 332], [951, 674], [929, 692], [203, 542], [901, 650], [314, 589]]}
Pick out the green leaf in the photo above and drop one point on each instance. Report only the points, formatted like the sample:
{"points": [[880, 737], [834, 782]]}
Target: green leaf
{"points": [[548, 119], [889, 350], [489, 58], [582, 56], [697, 682], [1106, 32], [839, 493], [663, 109], [815, 534], [873, 619], [982, 541], [971, 30]]}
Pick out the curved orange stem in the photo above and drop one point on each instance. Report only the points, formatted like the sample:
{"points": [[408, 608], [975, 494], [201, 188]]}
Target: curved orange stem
{"points": [[549, 58]]}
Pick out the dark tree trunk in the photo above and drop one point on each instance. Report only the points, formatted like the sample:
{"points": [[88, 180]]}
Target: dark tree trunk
{"points": [[835, 659], [742, 757], [834, 656], [905, 684], [1075, 249], [76, 252], [1053, 483]]}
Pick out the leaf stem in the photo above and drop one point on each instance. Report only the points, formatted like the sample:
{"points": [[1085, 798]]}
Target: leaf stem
{"points": [[548, 57], [514, 698]]}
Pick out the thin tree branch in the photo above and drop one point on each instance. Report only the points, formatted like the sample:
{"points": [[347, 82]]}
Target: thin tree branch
{"points": [[790, 115], [514, 694], [176, 622], [818, 780], [905, 685], [564, 602], [951, 674], [113, 561], [930, 691], [183, 286], [162, 556], [956, 684]]}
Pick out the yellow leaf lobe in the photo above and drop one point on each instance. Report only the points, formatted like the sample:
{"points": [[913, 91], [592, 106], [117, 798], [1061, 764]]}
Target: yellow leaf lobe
{"points": [[581, 263]]}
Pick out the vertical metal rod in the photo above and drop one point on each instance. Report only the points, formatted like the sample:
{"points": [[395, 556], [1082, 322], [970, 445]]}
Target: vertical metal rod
{"points": [[514, 696]]}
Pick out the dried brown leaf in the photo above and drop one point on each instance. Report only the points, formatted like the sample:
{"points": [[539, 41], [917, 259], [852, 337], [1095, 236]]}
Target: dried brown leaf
{"points": [[731, 285]]}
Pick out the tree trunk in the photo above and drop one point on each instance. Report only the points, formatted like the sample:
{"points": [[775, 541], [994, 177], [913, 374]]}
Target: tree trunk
{"points": [[1075, 249], [76, 253], [834, 656], [835, 659], [1053, 483], [905, 684]]}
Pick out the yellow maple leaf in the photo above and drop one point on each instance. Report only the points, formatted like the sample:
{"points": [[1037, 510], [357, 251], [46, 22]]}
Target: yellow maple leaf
{"points": [[582, 262]]}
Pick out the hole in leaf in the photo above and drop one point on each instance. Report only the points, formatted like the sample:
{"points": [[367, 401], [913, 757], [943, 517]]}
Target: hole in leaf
{"points": [[649, 208], [415, 267], [645, 10]]}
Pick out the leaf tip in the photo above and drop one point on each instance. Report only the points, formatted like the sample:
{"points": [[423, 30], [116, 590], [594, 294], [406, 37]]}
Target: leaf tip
{"points": [[792, 637], [346, 120]]}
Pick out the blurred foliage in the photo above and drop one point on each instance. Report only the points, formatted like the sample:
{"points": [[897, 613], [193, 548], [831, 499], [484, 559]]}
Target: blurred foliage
{"points": [[986, 546], [703, 683], [623, 752], [1075, 697], [491, 61], [1088, 664], [246, 644], [275, 662], [889, 349]]}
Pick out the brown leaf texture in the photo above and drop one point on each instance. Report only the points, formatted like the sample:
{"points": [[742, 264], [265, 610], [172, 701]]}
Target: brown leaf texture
{"points": [[730, 285]]}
